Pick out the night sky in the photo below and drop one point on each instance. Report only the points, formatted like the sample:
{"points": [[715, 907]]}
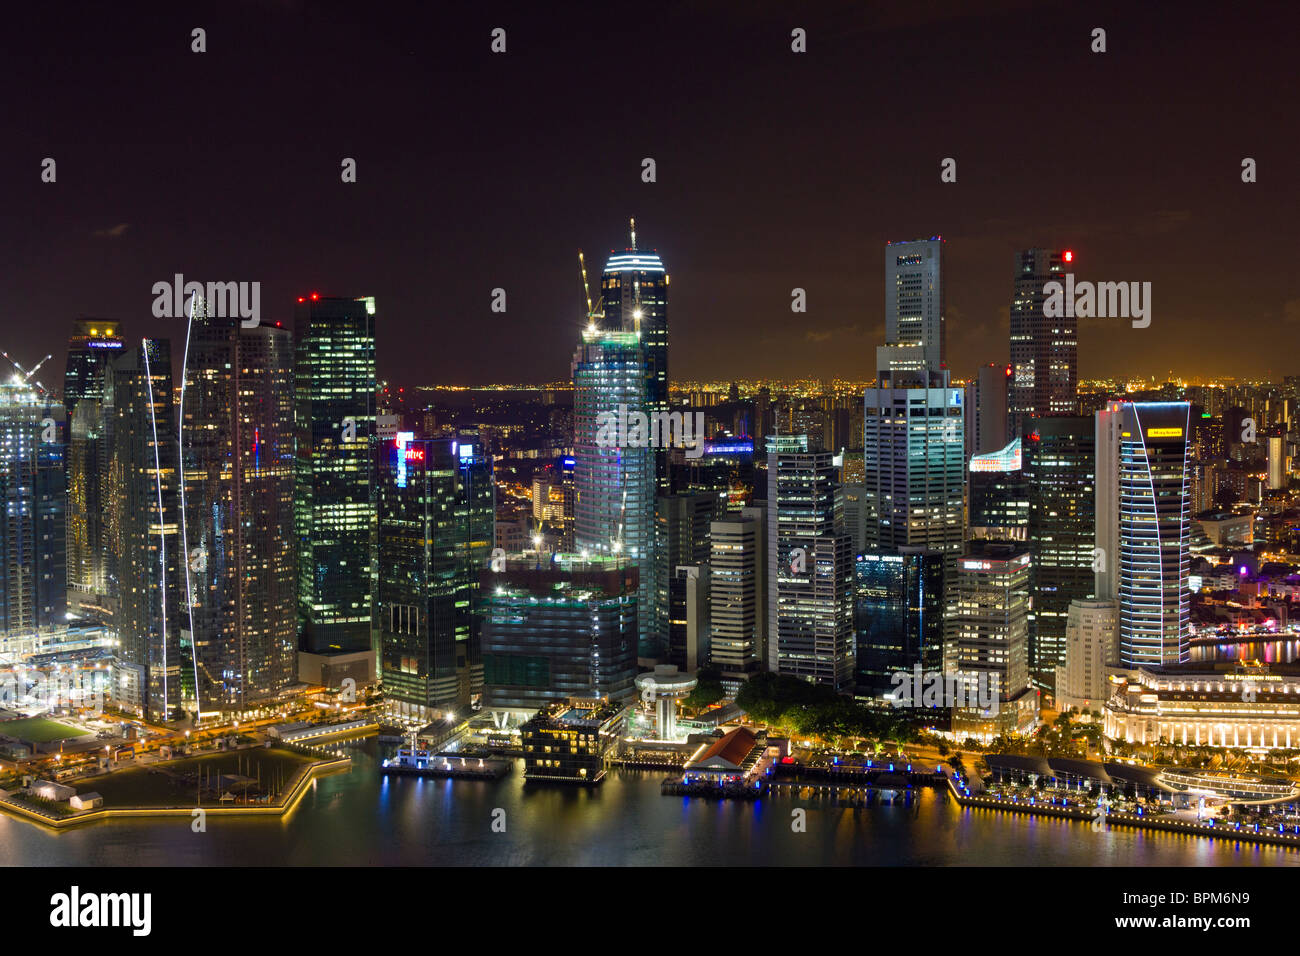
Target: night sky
{"points": [[775, 170]]}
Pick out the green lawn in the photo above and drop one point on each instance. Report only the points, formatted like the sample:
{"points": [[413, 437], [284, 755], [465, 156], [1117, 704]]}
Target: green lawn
{"points": [[38, 730], [161, 785]]}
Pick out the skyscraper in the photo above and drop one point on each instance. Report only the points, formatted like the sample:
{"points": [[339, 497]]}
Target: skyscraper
{"points": [[898, 617], [913, 425], [737, 592], [1044, 351], [93, 344], [33, 583], [988, 638], [334, 408], [987, 424], [436, 512], [634, 291], [682, 527], [144, 533], [999, 494], [914, 298], [614, 478], [1059, 469], [810, 604], [914, 469], [237, 521], [1144, 528], [1089, 639]]}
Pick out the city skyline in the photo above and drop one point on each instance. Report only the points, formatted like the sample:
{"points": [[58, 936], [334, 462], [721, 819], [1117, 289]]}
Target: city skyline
{"points": [[391, 508]]}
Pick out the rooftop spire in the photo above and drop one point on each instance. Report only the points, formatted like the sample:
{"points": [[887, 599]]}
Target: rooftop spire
{"points": [[632, 230]]}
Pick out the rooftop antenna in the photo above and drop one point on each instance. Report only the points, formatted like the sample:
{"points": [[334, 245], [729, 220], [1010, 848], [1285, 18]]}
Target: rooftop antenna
{"points": [[632, 229]]}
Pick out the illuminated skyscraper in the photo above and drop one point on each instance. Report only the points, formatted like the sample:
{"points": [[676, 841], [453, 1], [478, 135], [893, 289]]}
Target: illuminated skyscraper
{"points": [[634, 289], [737, 594], [1144, 528], [999, 495], [1059, 469], [614, 469], [914, 469], [237, 453], [436, 514], [810, 561], [1044, 351], [913, 425], [93, 344], [335, 524], [33, 584], [898, 617], [988, 634], [914, 299], [144, 533]]}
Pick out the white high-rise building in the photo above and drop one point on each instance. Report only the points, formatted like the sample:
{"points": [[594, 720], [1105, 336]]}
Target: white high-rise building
{"points": [[1089, 637], [914, 300], [1142, 558], [737, 596]]}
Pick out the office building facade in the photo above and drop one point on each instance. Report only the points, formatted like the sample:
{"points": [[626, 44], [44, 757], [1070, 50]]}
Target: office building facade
{"points": [[1059, 470], [1044, 350], [557, 626], [33, 544], [898, 617], [436, 502], [810, 603], [1144, 528], [613, 475], [738, 592], [335, 517]]}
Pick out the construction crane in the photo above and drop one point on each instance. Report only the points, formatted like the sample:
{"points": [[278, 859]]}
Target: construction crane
{"points": [[24, 376], [592, 314]]}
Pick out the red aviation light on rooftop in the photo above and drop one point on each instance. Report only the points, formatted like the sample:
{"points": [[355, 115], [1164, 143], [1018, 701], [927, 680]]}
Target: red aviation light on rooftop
{"points": [[1067, 255], [301, 299], [315, 296]]}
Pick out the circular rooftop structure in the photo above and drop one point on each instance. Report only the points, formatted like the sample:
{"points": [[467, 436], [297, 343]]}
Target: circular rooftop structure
{"points": [[665, 681]]}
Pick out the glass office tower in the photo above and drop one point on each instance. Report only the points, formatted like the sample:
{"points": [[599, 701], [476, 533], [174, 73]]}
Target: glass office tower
{"points": [[1144, 528], [1059, 469], [557, 626], [33, 582], [436, 515], [898, 617], [334, 408], [634, 291], [614, 480]]}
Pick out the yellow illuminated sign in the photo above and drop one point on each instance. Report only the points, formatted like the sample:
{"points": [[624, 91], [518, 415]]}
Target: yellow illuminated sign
{"points": [[1164, 433]]}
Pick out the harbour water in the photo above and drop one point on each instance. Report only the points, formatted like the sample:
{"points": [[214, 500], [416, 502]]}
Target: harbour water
{"points": [[362, 818]]}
